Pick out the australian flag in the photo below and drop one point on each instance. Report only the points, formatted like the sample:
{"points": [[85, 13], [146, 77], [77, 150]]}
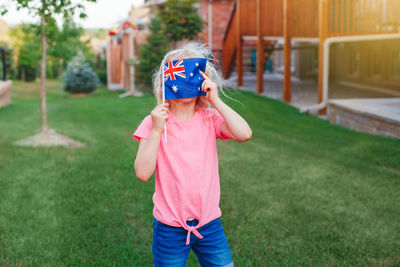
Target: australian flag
{"points": [[182, 78]]}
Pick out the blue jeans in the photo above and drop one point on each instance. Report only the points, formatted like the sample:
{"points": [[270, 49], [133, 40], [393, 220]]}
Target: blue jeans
{"points": [[170, 249]]}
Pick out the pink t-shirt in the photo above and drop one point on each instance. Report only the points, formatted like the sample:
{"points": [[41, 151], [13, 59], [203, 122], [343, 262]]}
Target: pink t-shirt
{"points": [[187, 178]]}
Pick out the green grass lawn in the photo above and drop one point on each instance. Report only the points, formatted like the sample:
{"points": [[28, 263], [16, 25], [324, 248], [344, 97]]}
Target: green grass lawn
{"points": [[300, 192]]}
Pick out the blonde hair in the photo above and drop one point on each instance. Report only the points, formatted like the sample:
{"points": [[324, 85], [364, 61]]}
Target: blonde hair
{"points": [[191, 50]]}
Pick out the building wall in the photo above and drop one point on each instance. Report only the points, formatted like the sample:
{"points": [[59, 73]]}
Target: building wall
{"points": [[221, 12]]}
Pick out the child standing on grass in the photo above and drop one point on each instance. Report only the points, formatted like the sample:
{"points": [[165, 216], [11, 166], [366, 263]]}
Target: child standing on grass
{"points": [[187, 189]]}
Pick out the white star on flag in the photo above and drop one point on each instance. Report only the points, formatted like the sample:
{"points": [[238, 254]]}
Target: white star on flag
{"points": [[199, 88], [197, 64], [174, 88], [191, 74]]}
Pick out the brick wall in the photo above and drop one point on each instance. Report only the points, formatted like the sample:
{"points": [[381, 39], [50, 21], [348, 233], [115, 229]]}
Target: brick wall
{"points": [[362, 122]]}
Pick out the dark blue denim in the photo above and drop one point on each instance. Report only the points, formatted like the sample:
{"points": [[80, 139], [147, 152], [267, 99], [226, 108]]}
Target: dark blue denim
{"points": [[170, 249]]}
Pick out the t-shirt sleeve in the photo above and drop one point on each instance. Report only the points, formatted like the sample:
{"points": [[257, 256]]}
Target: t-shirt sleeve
{"points": [[144, 129], [218, 121]]}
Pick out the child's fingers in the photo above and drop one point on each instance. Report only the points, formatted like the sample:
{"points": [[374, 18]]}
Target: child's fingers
{"points": [[204, 75], [203, 85], [163, 105]]}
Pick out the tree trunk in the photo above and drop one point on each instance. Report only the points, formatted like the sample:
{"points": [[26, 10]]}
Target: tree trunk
{"points": [[43, 110]]}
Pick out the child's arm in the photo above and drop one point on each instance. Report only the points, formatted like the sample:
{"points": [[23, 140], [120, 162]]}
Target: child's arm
{"points": [[146, 157], [234, 127]]}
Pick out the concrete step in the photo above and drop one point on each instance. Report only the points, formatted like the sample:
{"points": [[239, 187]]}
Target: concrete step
{"points": [[374, 115]]}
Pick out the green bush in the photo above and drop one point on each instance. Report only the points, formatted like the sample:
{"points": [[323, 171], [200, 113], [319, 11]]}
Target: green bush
{"points": [[102, 76], [53, 68], [29, 60], [80, 77], [27, 73]]}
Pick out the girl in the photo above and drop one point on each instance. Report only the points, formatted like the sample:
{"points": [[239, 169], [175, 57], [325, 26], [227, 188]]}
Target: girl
{"points": [[187, 191]]}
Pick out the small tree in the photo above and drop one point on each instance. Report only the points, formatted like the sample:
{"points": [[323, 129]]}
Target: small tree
{"points": [[80, 77], [180, 20], [46, 11]]}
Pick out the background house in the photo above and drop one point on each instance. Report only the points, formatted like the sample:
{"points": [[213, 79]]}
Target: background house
{"points": [[122, 49], [287, 37], [353, 44]]}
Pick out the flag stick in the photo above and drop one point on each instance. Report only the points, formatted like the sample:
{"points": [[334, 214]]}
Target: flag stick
{"points": [[163, 99]]}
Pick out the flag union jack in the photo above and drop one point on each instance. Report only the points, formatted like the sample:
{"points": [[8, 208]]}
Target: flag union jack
{"points": [[174, 69]]}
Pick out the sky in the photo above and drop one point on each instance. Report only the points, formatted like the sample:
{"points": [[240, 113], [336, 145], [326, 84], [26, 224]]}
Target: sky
{"points": [[103, 14]]}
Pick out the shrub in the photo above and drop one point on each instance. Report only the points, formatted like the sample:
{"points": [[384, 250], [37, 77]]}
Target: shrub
{"points": [[27, 73], [29, 62], [80, 77]]}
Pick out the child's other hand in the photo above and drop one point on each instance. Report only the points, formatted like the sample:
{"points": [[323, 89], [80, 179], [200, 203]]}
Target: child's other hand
{"points": [[210, 88], [159, 115]]}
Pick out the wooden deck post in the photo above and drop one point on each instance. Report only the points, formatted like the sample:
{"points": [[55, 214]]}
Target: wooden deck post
{"points": [[323, 34], [239, 47], [286, 52], [260, 50]]}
